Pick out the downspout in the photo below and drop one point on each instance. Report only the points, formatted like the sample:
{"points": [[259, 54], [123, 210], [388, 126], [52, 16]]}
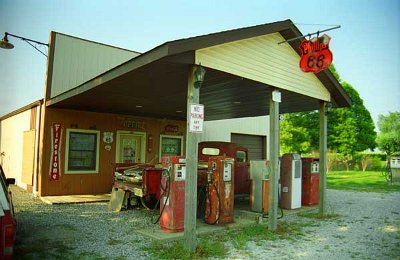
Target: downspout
{"points": [[38, 137]]}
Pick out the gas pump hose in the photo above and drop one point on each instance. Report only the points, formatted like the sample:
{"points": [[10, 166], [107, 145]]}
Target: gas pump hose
{"points": [[219, 202], [166, 189], [279, 205]]}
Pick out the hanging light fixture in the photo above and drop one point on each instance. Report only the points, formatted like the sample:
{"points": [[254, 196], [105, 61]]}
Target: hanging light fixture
{"points": [[5, 44], [199, 76]]}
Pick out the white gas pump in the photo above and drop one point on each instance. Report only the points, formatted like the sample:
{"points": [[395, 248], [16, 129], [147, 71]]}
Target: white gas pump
{"points": [[395, 169], [291, 181], [259, 190]]}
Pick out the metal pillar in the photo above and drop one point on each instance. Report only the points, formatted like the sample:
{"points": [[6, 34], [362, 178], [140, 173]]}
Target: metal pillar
{"points": [[274, 158], [323, 132], [191, 170]]}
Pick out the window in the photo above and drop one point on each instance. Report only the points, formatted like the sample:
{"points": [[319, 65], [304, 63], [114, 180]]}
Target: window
{"points": [[171, 145], [82, 151], [210, 151], [241, 156]]}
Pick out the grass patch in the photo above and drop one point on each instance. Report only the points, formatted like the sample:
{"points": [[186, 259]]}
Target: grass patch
{"points": [[87, 256], [370, 181], [214, 245], [113, 242], [205, 248], [255, 233], [42, 249]]}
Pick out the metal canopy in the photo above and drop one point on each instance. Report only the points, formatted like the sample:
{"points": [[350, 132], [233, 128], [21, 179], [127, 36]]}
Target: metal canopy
{"points": [[154, 84]]}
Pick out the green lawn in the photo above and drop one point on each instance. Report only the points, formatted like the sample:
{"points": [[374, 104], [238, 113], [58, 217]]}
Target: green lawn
{"points": [[361, 181]]}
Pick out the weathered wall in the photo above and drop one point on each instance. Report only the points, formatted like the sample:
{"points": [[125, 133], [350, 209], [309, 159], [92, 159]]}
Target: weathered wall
{"points": [[100, 182]]}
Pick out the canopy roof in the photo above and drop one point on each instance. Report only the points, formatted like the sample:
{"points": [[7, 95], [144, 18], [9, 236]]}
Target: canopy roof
{"points": [[155, 83]]}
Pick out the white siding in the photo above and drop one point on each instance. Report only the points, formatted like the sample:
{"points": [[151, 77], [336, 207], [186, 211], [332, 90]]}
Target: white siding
{"points": [[77, 61], [262, 59], [11, 143], [220, 130]]}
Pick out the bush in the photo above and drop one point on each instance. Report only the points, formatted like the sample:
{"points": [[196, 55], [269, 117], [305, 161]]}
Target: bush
{"points": [[376, 165], [362, 161], [370, 161]]}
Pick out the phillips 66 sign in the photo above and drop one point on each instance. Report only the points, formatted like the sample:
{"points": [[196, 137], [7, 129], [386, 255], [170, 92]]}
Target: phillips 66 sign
{"points": [[315, 54]]}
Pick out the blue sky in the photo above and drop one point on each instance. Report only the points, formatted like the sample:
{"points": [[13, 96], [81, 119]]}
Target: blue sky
{"points": [[366, 48]]}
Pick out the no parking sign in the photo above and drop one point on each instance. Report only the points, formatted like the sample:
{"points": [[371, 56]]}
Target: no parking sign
{"points": [[196, 118]]}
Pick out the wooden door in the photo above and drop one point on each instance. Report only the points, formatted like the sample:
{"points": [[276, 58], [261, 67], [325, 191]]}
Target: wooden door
{"points": [[129, 148]]}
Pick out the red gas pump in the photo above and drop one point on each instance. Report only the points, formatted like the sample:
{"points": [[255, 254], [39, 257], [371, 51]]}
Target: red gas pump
{"points": [[310, 182], [172, 200], [220, 190]]}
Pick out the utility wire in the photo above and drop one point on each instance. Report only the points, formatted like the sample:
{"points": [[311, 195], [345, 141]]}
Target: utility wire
{"points": [[309, 34], [311, 24], [35, 47]]}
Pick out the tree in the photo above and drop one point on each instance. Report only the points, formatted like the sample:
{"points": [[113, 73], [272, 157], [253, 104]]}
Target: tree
{"points": [[335, 73], [299, 132], [389, 138], [349, 129], [365, 126]]}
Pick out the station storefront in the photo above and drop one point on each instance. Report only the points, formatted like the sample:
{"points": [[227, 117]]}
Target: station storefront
{"points": [[105, 104], [89, 143]]}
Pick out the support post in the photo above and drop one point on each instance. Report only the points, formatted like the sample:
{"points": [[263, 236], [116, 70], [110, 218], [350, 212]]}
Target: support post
{"points": [[191, 170], [274, 158], [323, 130]]}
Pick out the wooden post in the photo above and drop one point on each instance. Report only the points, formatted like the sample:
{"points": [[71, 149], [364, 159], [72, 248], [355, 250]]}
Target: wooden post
{"points": [[274, 158], [191, 170], [323, 129]]}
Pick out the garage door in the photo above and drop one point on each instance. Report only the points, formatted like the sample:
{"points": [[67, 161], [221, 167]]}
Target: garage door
{"points": [[255, 144]]}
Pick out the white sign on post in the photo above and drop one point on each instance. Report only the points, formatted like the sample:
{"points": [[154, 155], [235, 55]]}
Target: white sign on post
{"points": [[196, 118]]}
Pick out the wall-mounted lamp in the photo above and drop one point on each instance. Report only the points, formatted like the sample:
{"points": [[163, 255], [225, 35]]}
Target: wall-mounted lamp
{"points": [[199, 76], [5, 44], [328, 107]]}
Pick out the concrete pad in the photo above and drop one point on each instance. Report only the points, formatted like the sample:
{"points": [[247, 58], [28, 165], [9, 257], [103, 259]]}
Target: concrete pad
{"points": [[242, 218], [70, 199]]}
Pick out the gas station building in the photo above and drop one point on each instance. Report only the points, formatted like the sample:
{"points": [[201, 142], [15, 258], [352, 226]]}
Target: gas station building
{"points": [[104, 104]]}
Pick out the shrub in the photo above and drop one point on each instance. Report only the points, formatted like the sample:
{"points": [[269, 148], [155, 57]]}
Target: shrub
{"points": [[371, 161]]}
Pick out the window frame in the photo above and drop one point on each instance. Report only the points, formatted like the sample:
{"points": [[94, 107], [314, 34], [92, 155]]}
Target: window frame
{"points": [[67, 150], [180, 137]]}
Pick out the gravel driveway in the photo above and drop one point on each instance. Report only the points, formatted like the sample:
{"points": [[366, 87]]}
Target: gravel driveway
{"points": [[367, 228]]}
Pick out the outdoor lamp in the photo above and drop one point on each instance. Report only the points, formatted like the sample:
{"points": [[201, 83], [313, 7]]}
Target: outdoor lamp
{"points": [[5, 44], [199, 76], [328, 107]]}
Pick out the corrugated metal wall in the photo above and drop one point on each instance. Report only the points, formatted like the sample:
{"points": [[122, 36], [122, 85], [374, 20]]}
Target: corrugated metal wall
{"points": [[254, 143], [12, 137], [221, 130], [77, 61]]}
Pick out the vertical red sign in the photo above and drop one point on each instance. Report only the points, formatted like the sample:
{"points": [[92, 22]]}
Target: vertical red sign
{"points": [[55, 152]]}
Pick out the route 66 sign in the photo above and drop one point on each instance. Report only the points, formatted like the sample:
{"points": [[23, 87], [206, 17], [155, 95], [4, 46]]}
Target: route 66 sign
{"points": [[315, 54]]}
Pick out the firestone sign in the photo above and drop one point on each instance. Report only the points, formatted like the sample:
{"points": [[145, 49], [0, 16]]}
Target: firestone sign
{"points": [[56, 132], [315, 54]]}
